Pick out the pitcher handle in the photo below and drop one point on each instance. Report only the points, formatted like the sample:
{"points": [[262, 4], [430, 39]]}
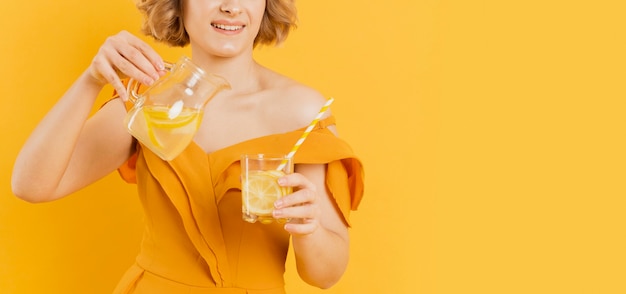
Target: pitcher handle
{"points": [[133, 85]]}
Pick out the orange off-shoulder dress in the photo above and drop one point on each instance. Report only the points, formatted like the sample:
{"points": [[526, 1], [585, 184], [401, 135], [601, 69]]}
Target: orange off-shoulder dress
{"points": [[195, 240]]}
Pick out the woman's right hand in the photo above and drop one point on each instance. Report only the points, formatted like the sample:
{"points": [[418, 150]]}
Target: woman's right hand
{"points": [[125, 55]]}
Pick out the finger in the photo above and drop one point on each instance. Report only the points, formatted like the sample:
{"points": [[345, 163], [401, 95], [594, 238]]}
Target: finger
{"points": [[120, 89], [129, 69], [300, 197], [301, 228], [296, 180], [103, 72], [125, 53], [108, 65], [309, 211], [142, 55], [153, 57], [134, 61]]}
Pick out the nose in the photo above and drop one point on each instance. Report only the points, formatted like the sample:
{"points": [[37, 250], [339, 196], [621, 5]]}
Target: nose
{"points": [[231, 7]]}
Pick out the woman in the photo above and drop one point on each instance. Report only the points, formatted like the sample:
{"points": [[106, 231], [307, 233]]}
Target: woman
{"points": [[195, 240]]}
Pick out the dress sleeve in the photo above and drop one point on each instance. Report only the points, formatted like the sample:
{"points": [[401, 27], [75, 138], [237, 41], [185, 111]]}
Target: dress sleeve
{"points": [[344, 174], [344, 179], [127, 170]]}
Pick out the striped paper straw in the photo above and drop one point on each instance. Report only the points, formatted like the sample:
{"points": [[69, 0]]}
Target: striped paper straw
{"points": [[306, 133]]}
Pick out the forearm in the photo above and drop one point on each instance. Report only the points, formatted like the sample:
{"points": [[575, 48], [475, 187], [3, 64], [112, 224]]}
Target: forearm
{"points": [[41, 163], [321, 257]]}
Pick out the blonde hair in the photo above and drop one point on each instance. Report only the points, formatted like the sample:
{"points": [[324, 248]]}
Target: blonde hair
{"points": [[163, 20]]}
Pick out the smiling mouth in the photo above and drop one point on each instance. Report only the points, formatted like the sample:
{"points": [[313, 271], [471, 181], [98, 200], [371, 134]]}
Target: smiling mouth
{"points": [[226, 27]]}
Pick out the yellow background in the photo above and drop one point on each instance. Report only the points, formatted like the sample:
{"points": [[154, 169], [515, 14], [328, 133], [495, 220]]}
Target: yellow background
{"points": [[492, 132]]}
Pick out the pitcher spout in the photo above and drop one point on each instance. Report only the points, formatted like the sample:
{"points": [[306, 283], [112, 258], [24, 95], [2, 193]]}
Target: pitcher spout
{"points": [[219, 82]]}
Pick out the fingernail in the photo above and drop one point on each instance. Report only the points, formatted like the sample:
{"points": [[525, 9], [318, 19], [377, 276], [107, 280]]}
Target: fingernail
{"points": [[282, 181], [148, 81], [278, 203], [277, 213]]}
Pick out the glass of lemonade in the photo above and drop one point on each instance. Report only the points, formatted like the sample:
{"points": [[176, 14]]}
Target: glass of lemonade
{"points": [[259, 185]]}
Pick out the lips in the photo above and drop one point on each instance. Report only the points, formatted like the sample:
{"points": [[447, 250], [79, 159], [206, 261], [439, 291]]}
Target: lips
{"points": [[226, 27]]}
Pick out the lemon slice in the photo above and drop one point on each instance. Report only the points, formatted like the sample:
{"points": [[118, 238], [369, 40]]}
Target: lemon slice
{"points": [[262, 191], [164, 119]]}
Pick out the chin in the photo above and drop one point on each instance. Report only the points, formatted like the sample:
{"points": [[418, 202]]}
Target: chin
{"points": [[227, 50]]}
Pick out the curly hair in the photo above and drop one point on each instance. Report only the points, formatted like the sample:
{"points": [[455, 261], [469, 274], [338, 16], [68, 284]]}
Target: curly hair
{"points": [[163, 21]]}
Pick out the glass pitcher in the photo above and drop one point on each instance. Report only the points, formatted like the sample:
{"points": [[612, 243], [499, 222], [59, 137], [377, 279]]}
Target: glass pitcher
{"points": [[166, 116]]}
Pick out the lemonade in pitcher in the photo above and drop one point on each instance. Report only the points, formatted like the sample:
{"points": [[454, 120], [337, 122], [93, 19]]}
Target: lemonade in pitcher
{"points": [[167, 131], [166, 115]]}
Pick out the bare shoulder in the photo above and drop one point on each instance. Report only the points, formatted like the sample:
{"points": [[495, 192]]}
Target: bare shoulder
{"points": [[298, 104], [304, 103]]}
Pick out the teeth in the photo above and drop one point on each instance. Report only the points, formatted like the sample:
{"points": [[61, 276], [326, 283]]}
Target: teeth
{"points": [[227, 27]]}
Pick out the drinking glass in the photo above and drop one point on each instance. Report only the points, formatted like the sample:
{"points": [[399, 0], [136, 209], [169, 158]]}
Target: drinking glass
{"points": [[259, 185]]}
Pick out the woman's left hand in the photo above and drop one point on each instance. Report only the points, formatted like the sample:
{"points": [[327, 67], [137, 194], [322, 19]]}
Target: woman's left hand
{"points": [[301, 207], [319, 232]]}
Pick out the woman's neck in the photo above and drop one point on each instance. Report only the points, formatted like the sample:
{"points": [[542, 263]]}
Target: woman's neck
{"points": [[242, 72]]}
